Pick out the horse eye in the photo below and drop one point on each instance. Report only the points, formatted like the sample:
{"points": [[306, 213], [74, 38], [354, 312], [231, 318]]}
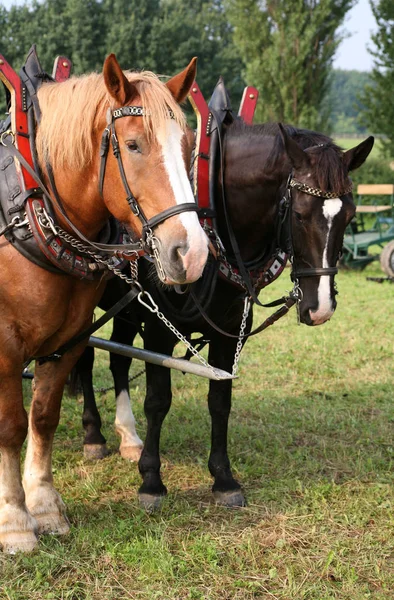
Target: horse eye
{"points": [[298, 216], [132, 146]]}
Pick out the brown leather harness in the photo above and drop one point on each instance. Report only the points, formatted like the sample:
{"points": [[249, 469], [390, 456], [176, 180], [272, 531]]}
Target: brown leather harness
{"points": [[33, 217]]}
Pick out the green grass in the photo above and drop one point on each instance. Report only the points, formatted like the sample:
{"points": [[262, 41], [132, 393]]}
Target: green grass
{"points": [[311, 440]]}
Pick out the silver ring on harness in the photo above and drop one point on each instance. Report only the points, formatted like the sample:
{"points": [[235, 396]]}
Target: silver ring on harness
{"points": [[5, 135]]}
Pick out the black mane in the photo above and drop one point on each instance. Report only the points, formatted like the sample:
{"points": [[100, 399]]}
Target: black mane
{"points": [[330, 171]]}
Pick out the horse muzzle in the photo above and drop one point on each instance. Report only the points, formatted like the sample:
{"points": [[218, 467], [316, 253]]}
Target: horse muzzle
{"points": [[181, 260]]}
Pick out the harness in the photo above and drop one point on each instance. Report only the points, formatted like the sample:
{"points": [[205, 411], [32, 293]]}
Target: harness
{"points": [[285, 235], [254, 275], [31, 216]]}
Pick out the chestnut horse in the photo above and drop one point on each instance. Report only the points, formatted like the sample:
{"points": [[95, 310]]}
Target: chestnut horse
{"points": [[258, 161], [41, 310]]}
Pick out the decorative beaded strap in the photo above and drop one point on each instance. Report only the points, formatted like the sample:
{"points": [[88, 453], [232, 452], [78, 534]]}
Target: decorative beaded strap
{"points": [[303, 187], [134, 111]]}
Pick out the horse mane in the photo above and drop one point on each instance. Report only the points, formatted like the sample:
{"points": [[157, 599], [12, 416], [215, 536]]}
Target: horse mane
{"points": [[73, 109], [329, 169]]}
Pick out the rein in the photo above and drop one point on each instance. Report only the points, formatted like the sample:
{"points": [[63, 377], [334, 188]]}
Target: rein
{"points": [[284, 240]]}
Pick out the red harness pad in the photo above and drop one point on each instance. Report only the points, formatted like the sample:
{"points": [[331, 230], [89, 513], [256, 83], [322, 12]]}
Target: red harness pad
{"points": [[18, 120], [201, 157], [61, 68], [248, 104]]}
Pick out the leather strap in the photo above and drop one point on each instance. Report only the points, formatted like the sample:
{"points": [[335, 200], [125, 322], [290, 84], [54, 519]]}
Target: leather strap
{"points": [[314, 272], [112, 312], [287, 303], [171, 212]]}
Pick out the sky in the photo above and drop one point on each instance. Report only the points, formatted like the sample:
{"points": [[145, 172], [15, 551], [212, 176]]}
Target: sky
{"points": [[352, 53]]}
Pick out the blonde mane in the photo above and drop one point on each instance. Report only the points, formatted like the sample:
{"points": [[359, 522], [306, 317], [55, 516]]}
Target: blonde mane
{"points": [[73, 109]]}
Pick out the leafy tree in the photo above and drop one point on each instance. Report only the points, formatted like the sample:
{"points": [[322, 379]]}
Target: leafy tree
{"points": [[344, 100], [187, 28], [378, 98], [130, 25], [288, 48]]}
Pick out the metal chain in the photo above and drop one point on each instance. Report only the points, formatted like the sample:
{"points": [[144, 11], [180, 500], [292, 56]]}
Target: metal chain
{"points": [[304, 187], [241, 335], [103, 390], [153, 307], [47, 222]]}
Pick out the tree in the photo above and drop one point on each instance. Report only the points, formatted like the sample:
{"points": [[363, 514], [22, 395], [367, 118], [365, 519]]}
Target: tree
{"points": [[187, 28], [288, 49], [344, 100], [378, 114]]}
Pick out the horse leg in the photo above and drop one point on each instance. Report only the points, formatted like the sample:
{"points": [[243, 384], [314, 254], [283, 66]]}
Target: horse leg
{"points": [[131, 445], [157, 404], [94, 443], [42, 500], [18, 529], [226, 489]]}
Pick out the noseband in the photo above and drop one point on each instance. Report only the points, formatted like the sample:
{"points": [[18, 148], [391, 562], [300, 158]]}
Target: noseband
{"points": [[109, 137], [285, 225]]}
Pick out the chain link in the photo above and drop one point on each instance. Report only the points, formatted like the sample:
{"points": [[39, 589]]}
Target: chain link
{"points": [[103, 390], [153, 307], [241, 336]]}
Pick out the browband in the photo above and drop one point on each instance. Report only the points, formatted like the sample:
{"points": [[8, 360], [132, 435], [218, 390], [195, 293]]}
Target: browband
{"points": [[304, 187], [134, 111]]}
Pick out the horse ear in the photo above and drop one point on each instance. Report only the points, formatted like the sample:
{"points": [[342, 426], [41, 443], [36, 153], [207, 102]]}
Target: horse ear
{"points": [[117, 84], [296, 154], [355, 157], [180, 84]]}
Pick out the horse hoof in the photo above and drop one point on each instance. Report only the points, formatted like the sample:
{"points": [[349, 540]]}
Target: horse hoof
{"points": [[149, 502], [95, 451], [231, 499], [52, 523], [12, 542], [132, 453]]}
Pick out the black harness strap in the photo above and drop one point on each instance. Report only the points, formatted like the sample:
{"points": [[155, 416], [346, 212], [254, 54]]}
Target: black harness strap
{"points": [[74, 341], [287, 303], [233, 241]]}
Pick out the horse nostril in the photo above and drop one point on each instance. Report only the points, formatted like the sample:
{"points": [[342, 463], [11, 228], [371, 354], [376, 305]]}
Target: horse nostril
{"points": [[178, 251]]}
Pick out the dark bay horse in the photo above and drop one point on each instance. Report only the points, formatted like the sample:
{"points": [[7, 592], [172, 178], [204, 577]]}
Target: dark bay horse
{"points": [[40, 310], [258, 161]]}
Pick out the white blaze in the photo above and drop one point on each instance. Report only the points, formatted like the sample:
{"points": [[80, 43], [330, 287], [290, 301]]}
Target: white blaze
{"points": [[170, 141], [324, 307]]}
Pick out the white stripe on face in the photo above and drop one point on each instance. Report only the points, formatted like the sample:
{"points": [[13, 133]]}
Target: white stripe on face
{"points": [[170, 141], [324, 307]]}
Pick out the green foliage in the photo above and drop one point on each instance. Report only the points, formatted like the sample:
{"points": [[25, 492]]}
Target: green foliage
{"points": [[154, 35], [344, 100], [378, 98], [373, 171], [288, 48]]}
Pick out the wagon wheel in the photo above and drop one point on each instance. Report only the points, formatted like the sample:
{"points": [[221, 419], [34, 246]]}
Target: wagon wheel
{"points": [[387, 259]]}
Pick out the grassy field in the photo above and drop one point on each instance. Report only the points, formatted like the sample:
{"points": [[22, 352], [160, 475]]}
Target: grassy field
{"points": [[311, 440]]}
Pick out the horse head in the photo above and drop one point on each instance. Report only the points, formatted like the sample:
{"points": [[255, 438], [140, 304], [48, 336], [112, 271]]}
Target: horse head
{"points": [[322, 205], [124, 146], [156, 153]]}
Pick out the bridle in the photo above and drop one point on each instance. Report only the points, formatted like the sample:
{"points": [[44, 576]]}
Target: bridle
{"points": [[147, 241], [285, 233]]}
